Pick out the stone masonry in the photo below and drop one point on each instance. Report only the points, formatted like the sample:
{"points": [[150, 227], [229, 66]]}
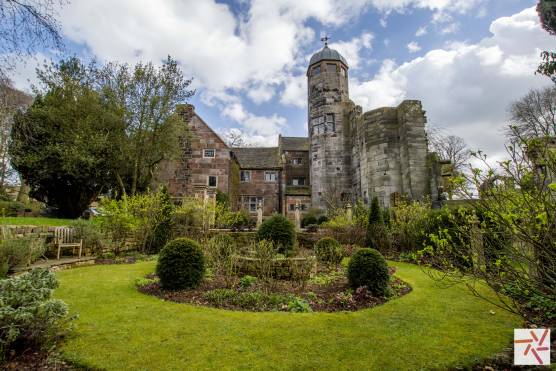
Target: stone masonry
{"points": [[348, 155]]}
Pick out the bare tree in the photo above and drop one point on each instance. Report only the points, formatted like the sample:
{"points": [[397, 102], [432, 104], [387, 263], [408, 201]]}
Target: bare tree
{"points": [[534, 115], [235, 138], [451, 148], [25, 26], [11, 101]]}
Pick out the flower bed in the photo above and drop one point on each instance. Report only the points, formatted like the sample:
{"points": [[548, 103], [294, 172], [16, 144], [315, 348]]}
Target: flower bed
{"points": [[327, 291]]}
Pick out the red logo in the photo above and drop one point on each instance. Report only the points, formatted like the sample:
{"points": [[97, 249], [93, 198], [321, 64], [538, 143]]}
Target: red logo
{"points": [[532, 347]]}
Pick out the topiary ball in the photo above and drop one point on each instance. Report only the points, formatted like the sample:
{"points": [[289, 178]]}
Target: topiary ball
{"points": [[308, 220], [368, 267], [329, 251], [181, 264], [278, 230]]}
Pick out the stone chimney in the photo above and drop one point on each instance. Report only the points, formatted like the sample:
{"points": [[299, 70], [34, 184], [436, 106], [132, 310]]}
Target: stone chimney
{"points": [[186, 111]]}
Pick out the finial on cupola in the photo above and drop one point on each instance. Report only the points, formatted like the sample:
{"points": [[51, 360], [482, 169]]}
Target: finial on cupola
{"points": [[325, 40]]}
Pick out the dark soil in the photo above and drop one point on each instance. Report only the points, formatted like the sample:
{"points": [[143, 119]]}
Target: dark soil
{"points": [[124, 260], [333, 296], [35, 361]]}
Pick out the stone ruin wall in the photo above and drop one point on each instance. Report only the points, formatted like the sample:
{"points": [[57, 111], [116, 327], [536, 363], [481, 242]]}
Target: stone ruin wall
{"points": [[389, 152]]}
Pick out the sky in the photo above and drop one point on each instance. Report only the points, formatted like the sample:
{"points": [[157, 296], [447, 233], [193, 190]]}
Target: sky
{"points": [[466, 60]]}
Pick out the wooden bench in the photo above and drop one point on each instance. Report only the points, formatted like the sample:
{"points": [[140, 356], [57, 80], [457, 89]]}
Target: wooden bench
{"points": [[64, 237]]}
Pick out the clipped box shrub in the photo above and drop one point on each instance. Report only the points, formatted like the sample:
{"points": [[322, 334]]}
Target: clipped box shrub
{"points": [[308, 220], [280, 231], [329, 251], [181, 264], [368, 267]]}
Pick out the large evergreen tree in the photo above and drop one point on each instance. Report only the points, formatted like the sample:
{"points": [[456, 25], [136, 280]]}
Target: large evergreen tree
{"points": [[63, 145]]}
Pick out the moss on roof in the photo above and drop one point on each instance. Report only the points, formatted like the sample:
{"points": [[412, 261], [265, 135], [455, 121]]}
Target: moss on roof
{"points": [[258, 157], [294, 143]]}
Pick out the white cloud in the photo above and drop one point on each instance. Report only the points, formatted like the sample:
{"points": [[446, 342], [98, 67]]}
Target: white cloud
{"points": [[449, 29], [262, 130], [383, 22], [352, 49], [467, 87], [23, 75], [295, 91], [413, 47], [261, 93], [255, 54], [421, 31], [223, 50]]}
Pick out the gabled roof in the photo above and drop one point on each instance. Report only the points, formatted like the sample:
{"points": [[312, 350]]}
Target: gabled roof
{"points": [[258, 157], [294, 143]]}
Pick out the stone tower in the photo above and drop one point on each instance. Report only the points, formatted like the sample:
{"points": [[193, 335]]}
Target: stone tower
{"points": [[330, 149]]}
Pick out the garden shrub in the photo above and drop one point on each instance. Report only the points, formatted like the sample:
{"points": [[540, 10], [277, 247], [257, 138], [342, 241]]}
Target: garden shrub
{"points": [[322, 219], [181, 264], [247, 281], [11, 208], [189, 214], [219, 251], [29, 317], [17, 251], [377, 236], [90, 233], [299, 305], [312, 228], [117, 223], [280, 231], [329, 251], [368, 267], [308, 220], [409, 225], [161, 223], [236, 220]]}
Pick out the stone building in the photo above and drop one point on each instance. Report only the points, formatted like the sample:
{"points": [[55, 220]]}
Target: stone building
{"points": [[348, 154]]}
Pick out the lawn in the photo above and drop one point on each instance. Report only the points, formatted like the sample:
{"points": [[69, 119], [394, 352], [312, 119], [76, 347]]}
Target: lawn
{"points": [[30, 220], [120, 328]]}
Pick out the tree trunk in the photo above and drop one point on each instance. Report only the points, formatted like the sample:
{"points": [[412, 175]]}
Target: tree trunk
{"points": [[121, 184], [23, 193]]}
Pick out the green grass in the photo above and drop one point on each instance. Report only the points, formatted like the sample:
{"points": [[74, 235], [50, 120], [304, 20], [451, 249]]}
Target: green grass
{"points": [[30, 220], [120, 328]]}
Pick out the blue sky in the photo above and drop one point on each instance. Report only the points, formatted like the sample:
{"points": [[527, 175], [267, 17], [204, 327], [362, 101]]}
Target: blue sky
{"points": [[467, 60]]}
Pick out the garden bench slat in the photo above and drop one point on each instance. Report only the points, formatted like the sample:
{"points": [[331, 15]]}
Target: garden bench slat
{"points": [[64, 237]]}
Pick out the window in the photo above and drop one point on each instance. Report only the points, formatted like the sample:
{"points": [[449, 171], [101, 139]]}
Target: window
{"points": [[210, 153], [298, 181], [316, 71], [270, 176], [331, 67], [302, 207], [297, 161], [245, 176], [250, 203], [323, 124], [212, 181]]}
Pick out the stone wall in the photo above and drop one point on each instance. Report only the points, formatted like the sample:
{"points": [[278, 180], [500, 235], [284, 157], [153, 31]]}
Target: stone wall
{"points": [[189, 175], [330, 151], [259, 187], [389, 152], [413, 149]]}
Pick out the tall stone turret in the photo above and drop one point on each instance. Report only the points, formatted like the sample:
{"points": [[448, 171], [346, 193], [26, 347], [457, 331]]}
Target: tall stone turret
{"points": [[330, 149]]}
